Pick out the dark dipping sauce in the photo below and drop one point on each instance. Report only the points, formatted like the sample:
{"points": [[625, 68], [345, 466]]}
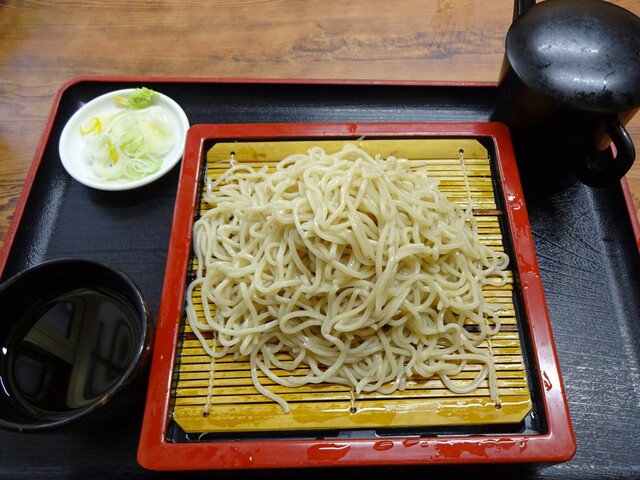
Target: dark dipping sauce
{"points": [[78, 346]]}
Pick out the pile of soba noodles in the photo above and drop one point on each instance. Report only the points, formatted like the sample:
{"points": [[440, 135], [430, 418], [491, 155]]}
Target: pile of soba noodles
{"points": [[346, 269]]}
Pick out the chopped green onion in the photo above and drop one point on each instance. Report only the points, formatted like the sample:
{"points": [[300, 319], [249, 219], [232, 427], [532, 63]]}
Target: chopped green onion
{"points": [[129, 144]]}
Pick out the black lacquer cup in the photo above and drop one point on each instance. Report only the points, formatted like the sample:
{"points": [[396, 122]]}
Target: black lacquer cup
{"points": [[75, 338]]}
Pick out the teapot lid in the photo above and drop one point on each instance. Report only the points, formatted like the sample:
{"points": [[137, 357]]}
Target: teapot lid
{"points": [[579, 53]]}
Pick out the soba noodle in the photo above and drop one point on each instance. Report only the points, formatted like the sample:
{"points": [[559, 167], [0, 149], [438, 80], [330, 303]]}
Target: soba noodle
{"points": [[358, 269]]}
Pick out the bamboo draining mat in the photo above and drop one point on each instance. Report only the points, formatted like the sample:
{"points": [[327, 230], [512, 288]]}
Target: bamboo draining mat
{"points": [[236, 406]]}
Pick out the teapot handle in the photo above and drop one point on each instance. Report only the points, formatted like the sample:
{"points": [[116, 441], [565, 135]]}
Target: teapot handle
{"points": [[521, 6], [603, 168]]}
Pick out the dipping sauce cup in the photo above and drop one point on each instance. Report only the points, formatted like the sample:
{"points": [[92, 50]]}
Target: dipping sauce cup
{"points": [[75, 336]]}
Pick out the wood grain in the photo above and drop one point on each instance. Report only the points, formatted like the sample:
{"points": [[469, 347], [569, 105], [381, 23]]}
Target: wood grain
{"points": [[44, 44]]}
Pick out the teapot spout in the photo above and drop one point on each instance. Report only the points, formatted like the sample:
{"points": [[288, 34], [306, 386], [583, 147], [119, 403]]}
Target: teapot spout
{"points": [[521, 6]]}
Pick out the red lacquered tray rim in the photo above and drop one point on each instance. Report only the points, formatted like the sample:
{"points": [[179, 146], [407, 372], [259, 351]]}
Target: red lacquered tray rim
{"points": [[156, 453]]}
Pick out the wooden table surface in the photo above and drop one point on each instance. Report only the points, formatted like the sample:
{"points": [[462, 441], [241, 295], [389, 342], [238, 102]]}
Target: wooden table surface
{"points": [[45, 43]]}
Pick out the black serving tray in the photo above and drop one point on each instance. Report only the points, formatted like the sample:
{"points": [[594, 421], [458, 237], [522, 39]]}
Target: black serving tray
{"points": [[587, 253]]}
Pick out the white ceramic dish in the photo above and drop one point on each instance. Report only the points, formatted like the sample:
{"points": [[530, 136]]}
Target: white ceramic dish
{"points": [[74, 153]]}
